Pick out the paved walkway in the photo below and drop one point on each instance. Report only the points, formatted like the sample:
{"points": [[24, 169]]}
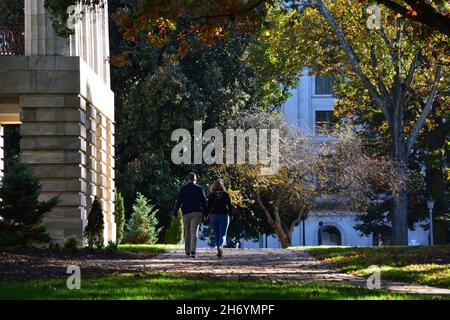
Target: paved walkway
{"points": [[273, 264]]}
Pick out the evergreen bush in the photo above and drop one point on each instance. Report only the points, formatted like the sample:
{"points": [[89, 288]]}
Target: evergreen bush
{"points": [[94, 229], [174, 234], [142, 226], [71, 243], [21, 212], [119, 214]]}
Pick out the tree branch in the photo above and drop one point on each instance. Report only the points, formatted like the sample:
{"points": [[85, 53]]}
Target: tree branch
{"points": [[425, 112], [386, 40], [397, 60], [412, 69], [425, 14], [353, 58], [380, 84], [264, 209]]}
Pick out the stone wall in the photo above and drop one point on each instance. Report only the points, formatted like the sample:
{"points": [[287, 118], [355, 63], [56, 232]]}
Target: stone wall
{"points": [[67, 115]]}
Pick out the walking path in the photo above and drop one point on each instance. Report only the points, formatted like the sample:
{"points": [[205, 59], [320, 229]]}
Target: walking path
{"points": [[272, 264]]}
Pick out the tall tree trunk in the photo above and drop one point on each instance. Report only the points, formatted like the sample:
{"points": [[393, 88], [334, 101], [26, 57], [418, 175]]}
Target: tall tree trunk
{"points": [[275, 221], [400, 202], [400, 218], [283, 237]]}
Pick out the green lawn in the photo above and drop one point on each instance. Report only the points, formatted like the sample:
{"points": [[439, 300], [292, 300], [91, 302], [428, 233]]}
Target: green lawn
{"points": [[419, 265], [146, 250], [170, 286]]}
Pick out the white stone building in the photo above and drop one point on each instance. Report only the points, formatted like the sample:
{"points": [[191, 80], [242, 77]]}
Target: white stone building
{"points": [[310, 108]]}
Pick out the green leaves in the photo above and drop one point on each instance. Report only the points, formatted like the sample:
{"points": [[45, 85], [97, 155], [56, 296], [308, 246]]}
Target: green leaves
{"points": [[12, 13]]}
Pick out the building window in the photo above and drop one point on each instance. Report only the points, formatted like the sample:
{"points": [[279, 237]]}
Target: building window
{"points": [[324, 122], [324, 86]]}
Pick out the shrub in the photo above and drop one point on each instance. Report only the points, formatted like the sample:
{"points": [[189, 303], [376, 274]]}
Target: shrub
{"points": [[55, 247], [21, 212], [111, 247], [11, 238], [174, 234], [141, 228], [119, 214], [94, 229], [71, 243]]}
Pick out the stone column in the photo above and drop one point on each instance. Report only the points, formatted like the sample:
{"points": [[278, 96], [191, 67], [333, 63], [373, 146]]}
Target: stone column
{"points": [[91, 154], [54, 144], [106, 50], [103, 175], [40, 37], [110, 185], [91, 40], [2, 153]]}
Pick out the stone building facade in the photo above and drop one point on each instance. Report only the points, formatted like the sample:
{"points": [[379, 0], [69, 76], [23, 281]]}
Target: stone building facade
{"points": [[59, 92]]}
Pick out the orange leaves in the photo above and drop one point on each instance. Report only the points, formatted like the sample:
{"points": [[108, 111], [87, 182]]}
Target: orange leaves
{"points": [[121, 60], [410, 12], [200, 21]]}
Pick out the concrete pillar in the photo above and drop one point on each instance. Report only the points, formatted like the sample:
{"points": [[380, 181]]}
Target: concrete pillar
{"points": [[54, 144], [106, 50], [90, 40], [2, 153], [91, 154], [101, 172], [110, 185], [40, 37], [100, 166]]}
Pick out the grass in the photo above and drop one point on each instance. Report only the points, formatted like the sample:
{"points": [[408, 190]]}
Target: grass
{"points": [[146, 250], [176, 287], [133, 250], [417, 265]]}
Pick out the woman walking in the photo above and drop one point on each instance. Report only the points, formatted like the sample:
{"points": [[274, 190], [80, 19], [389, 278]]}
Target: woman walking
{"points": [[220, 212]]}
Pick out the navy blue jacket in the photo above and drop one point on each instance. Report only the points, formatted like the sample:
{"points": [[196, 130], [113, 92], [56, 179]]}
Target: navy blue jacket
{"points": [[191, 199]]}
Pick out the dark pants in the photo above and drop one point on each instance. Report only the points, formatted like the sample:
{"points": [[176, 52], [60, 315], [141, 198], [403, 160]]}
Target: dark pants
{"points": [[220, 223]]}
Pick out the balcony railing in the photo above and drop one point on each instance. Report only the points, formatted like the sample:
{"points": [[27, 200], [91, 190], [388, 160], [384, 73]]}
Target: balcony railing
{"points": [[12, 42]]}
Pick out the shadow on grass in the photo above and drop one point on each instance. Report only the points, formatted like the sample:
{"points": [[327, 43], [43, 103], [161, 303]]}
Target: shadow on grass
{"points": [[419, 264]]}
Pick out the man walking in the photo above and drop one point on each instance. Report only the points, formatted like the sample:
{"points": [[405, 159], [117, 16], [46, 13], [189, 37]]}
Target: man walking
{"points": [[192, 201]]}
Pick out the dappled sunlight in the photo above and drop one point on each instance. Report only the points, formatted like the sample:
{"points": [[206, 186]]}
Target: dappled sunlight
{"points": [[419, 265], [172, 286]]}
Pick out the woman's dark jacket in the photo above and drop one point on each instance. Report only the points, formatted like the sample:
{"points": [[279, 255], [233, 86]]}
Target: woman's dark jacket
{"points": [[219, 202]]}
